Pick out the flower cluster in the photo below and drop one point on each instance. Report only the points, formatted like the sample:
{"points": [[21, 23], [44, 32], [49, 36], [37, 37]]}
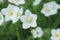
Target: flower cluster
{"points": [[28, 19]]}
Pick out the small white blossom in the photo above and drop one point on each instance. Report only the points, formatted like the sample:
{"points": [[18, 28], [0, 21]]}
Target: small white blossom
{"points": [[12, 13], [29, 19], [50, 8], [55, 34], [1, 18], [36, 2], [37, 33], [17, 2]]}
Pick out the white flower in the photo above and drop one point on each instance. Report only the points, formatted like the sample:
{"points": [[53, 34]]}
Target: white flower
{"points": [[29, 19], [36, 2], [55, 34], [17, 2], [12, 13], [50, 8], [18, 14], [1, 18], [37, 33]]}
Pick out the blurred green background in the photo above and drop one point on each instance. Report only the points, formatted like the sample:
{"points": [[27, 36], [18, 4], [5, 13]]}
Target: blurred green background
{"points": [[8, 31]]}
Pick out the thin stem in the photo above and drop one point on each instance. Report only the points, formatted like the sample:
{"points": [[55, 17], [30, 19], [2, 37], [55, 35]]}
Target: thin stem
{"points": [[4, 26], [21, 34], [18, 36], [7, 33], [32, 34]]}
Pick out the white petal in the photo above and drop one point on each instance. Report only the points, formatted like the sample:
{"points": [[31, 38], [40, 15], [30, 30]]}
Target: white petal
{"points": [[53, 12], [34, 17], [36, 2], [18, 2], [34, 33], [53, 31], [21, 10], [22, 1], [19, 13], [58, 6], [43, 11], [10, 0], [25, 26], [4, 11], [47, 15], [38, 29], [15, 9], [34, 24], [14, 20], [7, 18], [22, 18], [28, 13]]}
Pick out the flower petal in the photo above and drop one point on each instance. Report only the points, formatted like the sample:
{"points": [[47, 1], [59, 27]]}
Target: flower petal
{"points": [[25, 26]]}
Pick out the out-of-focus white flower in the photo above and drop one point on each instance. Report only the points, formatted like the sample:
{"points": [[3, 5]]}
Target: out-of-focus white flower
{"points": [[37, 33], [50, 8], [1, 18], [29, 19], [18, 14], [17, 2], [36, 2], [2, 1], [12, 13], [55, 34]]}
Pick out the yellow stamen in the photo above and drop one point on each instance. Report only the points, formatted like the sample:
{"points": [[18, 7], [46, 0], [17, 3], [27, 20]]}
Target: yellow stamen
{"points": [[47, 9], [56, 35], [29, 19], [10, 13]]}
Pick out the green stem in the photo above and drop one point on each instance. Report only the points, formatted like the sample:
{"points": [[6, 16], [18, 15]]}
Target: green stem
{"points": [[32, 34], [8, 34], [4, 26], [18, 36]]}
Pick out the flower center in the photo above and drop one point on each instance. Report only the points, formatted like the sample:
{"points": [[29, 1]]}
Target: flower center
{"points": [[29, 19], [37, 33], [47, 9], [10, 13], [56, 35], [18, 14], [0, 17]]}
